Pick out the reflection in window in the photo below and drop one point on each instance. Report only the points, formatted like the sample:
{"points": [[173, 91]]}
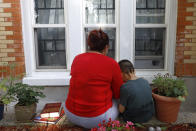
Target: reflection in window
{"points": [[150, 11], [112, 39], [50, 47], [100, 11], [149, 48], [49, 11]]}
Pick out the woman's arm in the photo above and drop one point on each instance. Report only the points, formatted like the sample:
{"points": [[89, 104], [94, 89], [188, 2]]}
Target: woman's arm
{"points": [[116, 81]]}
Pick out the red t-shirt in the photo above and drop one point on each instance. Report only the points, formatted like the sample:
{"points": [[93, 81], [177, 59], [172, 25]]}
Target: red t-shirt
{"points": [[96, 79]]}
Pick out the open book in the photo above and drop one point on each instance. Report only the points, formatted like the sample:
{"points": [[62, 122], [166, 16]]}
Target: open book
{"points": [[51, 113]]}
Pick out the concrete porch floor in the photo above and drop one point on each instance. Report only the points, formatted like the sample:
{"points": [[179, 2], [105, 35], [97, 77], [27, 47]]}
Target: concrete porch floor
{"points": [[187, 112]]}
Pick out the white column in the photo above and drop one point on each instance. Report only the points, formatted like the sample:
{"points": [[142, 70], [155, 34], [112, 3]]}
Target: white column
{"points": [[75, 31], [126, 29]]}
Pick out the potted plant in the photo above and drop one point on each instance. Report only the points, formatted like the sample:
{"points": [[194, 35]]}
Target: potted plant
{"points": [[28, 97], [6, 97], [7, 92], [168, 94]]}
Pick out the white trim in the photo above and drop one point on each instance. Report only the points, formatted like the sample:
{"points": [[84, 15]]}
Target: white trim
{"points": [[170, 26], [27, 38], [126, 29], [33, 77], [99, 25], [149, 74], [49, 25], [150, 26], [117, 23], [48, 79], [172, 37]]}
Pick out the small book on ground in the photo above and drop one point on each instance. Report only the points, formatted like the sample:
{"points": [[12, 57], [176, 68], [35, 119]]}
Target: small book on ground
{"points": [[51, 113]]}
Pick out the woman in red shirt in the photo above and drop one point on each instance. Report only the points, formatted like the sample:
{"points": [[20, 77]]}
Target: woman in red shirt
{"points": [[95, 83]]}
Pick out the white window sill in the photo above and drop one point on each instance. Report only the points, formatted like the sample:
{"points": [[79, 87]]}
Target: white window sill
{"points": [[48, 79], [63, 78]]}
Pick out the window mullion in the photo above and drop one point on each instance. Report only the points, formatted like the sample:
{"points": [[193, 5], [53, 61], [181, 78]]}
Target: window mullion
{"points": [[100, 25], [49, 25], [151, 25]]}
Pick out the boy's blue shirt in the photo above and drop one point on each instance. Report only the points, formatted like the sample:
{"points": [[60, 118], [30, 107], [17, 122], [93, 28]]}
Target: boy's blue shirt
{"points": [[136, 96]]}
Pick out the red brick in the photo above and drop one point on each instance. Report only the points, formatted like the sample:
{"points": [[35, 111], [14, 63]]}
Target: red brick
{"points": [[14, 37], [15, 54], [194, 70], [14, 46], [188, 70], [16, 5], [12, 10], [17, 29], [187, 57], [19, 41], [19, 59], [11, 1], [13, 19], [18, 50]]}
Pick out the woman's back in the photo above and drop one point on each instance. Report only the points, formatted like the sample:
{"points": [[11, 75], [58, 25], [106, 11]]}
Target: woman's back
{"points": [[95, 80]]}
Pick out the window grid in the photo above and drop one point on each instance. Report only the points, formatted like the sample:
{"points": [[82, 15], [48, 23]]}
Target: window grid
{"points": [[113, 50], [41, 44], [102, 8], [155, 58], [146, 6]]}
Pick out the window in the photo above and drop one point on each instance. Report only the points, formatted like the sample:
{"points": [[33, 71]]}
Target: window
{"points": [[49, 34], [55, 31], [150, 34], [102, 14]]}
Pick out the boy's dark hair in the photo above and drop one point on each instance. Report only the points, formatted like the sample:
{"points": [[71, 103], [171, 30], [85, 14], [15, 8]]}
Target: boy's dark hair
{"points": [[126, 66], [97, 40]]}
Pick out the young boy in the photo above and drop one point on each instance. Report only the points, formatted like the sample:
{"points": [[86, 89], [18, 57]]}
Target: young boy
{"points": [[136, 103]]}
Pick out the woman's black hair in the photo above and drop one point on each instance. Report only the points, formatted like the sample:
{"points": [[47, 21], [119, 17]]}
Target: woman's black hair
{"points": [[97, 40], [126, 66]]}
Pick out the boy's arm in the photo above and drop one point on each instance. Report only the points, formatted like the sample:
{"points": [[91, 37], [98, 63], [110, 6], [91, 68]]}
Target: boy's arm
{"points": [[121, 108], [124, 95]]}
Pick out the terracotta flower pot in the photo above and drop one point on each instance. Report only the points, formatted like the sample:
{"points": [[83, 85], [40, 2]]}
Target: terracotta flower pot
{"points": [[167, 108], [25, 113]]}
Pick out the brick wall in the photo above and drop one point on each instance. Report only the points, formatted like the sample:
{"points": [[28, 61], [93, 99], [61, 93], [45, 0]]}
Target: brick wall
{"points": [[11, 47], [185, 64]]}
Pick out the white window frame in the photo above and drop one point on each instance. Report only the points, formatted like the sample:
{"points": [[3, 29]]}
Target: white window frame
{"points": [[36, 76], [129, 20], [164, 25], [75, 43]]}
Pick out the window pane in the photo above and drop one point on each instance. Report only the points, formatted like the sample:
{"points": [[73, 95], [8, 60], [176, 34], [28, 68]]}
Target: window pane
{"points": [[100, 11], [150, 11], [149, 48], [141, 4], [50, 47], [111, 32], [49, 11]]}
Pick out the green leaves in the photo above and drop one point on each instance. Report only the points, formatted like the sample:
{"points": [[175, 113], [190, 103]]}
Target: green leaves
{"points": [[11, 89], [169, 86], [28, 95]]}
